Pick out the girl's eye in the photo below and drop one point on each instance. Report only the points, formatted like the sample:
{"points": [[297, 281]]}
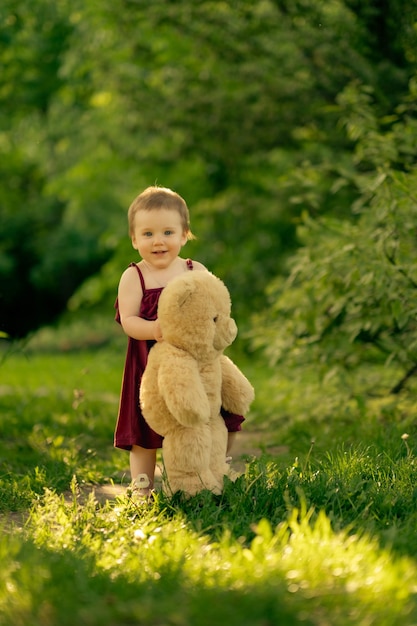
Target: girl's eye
{"points": [[148, 234], [168, 232]]}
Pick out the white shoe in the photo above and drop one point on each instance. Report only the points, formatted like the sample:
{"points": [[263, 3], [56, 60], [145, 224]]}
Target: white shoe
{"points": [[140, 488]]}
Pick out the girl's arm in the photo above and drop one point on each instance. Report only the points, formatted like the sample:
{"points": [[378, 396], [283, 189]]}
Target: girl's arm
{"points": [[130, 297]]}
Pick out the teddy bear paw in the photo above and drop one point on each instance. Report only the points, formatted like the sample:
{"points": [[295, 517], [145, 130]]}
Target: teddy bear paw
{"points": [[233, 475]]}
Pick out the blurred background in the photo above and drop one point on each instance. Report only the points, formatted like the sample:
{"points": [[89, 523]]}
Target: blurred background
{"points": [[289, 126]]}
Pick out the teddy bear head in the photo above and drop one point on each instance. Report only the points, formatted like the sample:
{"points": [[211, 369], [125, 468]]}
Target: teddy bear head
{"points": [[194, 315]]}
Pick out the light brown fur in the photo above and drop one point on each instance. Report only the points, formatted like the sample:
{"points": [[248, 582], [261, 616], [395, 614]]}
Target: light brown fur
{"points": [[188, 379]]}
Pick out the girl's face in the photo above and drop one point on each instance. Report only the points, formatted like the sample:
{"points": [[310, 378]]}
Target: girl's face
{"points": [[158, 236]]}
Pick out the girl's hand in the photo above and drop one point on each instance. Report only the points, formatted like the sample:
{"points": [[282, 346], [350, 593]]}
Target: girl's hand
{"points": [[157, 331]]}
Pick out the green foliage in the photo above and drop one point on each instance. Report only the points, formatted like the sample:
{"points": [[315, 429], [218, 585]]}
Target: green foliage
{"points": [[390, 29], [350, 294], [233, 105], [51, 237]]}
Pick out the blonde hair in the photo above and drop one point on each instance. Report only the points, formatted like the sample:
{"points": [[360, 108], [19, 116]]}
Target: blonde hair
{"points": [[154, 198]]}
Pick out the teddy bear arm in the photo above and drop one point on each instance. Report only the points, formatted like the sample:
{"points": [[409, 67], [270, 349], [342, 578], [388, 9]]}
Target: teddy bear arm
{"points": [[181, 387], [237, 392]]}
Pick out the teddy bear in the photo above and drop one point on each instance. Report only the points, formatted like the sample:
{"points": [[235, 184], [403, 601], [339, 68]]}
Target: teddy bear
{"points": [[188, 379]]}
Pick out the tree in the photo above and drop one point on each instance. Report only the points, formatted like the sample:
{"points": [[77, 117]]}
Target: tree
{"points": [[46, 250], [231, 104], [350, 294]]}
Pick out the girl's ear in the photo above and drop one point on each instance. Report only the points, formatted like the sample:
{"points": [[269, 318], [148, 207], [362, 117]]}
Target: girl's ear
{"points": [[134, 244]]}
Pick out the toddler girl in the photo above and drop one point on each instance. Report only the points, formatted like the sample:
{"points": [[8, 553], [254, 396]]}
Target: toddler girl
{"points": [[159, 226]]}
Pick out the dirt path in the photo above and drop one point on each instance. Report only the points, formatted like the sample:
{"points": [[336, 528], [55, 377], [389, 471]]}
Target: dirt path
{"points": [[247, 444]]}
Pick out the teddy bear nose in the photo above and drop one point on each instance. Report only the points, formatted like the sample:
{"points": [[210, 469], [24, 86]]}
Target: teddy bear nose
{"points": [[232, 329], [226, 333]]}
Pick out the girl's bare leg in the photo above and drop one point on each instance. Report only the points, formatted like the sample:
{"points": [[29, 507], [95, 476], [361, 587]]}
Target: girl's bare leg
{"points": [[142, 469], [231, 437]]}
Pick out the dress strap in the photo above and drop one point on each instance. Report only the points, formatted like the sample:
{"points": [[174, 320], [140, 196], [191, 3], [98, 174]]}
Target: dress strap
{"points": [[189, 264], [142, 281]]}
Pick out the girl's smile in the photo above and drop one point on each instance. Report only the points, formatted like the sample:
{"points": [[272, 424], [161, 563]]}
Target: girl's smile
{"points": [[158, 237]]}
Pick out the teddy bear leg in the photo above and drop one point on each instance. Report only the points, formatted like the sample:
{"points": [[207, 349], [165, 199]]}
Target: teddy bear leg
{"points": [[218, 464], [186, 456]]}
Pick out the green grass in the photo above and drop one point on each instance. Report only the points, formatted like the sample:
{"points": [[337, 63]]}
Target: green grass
{"points": [[323, 534], [119, 564]]}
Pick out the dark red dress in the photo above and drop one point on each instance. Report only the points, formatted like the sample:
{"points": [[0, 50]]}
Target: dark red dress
{"points": [[131, 428]]}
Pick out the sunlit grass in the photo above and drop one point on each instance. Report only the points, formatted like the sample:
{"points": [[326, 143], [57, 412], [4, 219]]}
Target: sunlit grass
{"points": [[57, 415], [323, 534], [126, 564]]}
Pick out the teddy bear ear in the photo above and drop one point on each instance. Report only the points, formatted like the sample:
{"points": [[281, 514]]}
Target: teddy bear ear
{"points": [[185, 294]]}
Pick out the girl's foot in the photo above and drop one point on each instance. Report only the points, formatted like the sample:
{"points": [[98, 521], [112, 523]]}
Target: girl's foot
{"points": [[141, 489]]}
